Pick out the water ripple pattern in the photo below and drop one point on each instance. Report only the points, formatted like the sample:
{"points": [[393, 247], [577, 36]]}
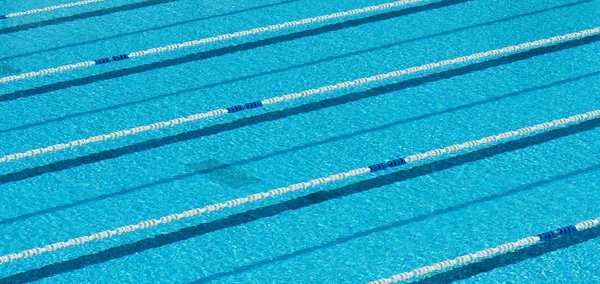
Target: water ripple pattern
{"points": [[306, 93], [546, 126]]}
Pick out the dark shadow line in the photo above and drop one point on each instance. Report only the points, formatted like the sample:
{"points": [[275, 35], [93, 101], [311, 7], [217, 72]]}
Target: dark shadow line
{"points": [[326, 59], [150, 29], [224, 51], [397, 224], [86, 15], [534, 251], [272, 116], [292, 149], [294, 204]]}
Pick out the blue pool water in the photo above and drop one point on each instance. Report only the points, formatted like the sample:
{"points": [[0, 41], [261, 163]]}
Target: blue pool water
{"points": [[352, 231]]}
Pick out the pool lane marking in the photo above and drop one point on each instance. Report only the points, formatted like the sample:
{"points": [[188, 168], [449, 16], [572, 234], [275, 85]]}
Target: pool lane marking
{"points": [[522, 132], [49, 8], [223, 37], [506, 248], [307, 93]]}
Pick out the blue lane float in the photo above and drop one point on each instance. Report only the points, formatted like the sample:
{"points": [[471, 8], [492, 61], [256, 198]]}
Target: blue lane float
{"points": [[388, 164], [251, 105], [111, 59], [557, 233]]}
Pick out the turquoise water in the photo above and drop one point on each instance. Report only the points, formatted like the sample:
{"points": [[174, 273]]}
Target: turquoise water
{"points": [[352, 231]]}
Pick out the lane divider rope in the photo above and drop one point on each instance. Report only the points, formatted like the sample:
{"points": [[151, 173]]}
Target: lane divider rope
{"points": [[224, 37], [307, 93], [303, 185], [506, 248], [49, 8]]}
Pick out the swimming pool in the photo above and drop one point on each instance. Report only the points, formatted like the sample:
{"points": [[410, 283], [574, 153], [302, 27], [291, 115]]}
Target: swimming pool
{"points": [[359, 229]]}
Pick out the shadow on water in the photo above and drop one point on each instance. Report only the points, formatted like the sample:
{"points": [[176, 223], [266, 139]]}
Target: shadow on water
{"points": [[86, 15], [294, 204], [272, 116], [223, 51], [281, 70]]}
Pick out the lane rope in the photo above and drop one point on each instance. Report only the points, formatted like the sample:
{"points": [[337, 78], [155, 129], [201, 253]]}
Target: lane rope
{"points": [[193, 43], [307, 93], [506, 248], [48, 9], [303, 185]]}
